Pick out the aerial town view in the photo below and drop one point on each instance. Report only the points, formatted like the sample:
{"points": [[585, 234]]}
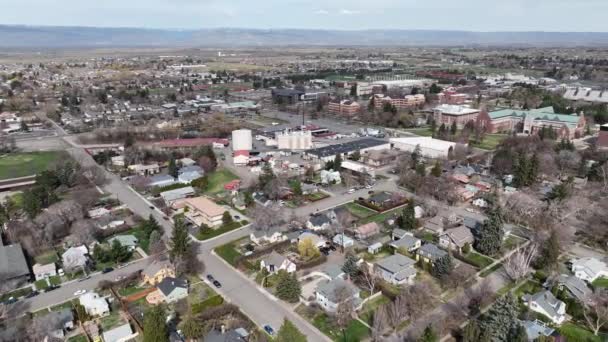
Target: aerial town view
{"points": [[288, 171]]}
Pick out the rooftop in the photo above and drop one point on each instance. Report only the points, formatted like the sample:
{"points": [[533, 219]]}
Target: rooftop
{"points": [[347, 147]]}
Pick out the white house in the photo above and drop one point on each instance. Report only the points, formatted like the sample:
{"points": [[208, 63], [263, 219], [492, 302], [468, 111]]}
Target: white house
{"points": [[317, 240], [44, 271], [545, 303], [330, 177], [94, 305], [144, 170], [589, 269], [343, 240], [396, 269], [75, 257], [273, 235], [275, 262], [331, 293]]}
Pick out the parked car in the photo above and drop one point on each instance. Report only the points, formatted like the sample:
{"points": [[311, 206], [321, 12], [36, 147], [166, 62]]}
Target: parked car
{"points": [[268, 329], [10, 300], [350, 191], [51, 288], [32, 294], [80, 292], [217, 284], [210, 277], [237, 217], [107, 270]]}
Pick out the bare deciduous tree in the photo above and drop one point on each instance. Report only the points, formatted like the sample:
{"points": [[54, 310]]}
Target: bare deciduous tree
{"points": [[379, 323], [345, 309], [518, 265], [595, 310], [368, 277], [265, 218]]}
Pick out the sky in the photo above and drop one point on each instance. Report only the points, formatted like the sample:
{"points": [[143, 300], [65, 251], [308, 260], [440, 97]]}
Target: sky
{"points": [[472, 15]]}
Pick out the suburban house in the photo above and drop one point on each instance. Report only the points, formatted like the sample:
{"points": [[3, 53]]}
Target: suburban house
{"points": [[589, 269], [537, 329], [396, 269], [13, 266], [576, 287], [186, 177], [64, 317], [240, 157], [407, 242], [321, 221], [121, 333], [177, 194], [227, 335], [331, 293], [160, 181], [169, 290], [456, 238], [434, 225], [430, 253], [330, 271], [144, 170], [75, 257], [366, 231], [398, 234], [272, 235], [381, 199], [94, 305], [44, 271], [129, 241], [343, 240], [545, 303], [201, 210], [275, 262], [156, 271], [186, 162]]}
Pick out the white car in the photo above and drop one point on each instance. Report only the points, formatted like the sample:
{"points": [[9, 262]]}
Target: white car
{"points": [[369, 186], [80, 292], [350, 191]]}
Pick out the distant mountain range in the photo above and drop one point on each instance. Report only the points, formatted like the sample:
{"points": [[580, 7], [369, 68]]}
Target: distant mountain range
{"points": [[14, 36]]}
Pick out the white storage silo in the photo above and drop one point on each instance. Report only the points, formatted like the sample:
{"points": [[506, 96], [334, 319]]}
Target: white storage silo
{"points": [[242, 140]]}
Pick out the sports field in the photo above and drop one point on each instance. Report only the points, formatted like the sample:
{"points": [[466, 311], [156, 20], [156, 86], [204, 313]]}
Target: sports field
{"points": [[15, 165]]}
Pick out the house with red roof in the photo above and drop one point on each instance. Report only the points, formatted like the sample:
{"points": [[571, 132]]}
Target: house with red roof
{"points": [[240, 157], [233, 185]]}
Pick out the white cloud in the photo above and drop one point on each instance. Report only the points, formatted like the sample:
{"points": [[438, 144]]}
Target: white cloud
{"points": [[322, 12], [348, 12]]}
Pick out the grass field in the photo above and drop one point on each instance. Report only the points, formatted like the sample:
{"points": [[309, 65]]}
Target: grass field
{"points": [[490, 270], [478, 260], [228, 252], [600, 282], [78, 338], [359, 210], [47, 257], [26, 164], [528, 287], [218, 179], [575, 333], [490, 141], [111, 321]]}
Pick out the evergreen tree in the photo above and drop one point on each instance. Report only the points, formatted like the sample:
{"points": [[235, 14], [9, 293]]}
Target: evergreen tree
{"points": [[350, 266], [491, 233], [407, 220], [179, 246], [288, 287], [453, 128], [416, 156], [436, 170], [518, 334], [172, 168], [433, 127], [337, 162], [472, 332], [550, 252], [150, 225], [428, 335], [442, 266], [421, 169], [501, 319], [155, 329], [289, 333], [226, 218], [266, 176], [296, 188]]}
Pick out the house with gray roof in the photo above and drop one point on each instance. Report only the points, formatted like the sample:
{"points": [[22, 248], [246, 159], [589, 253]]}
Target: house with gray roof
{"points": [[456, 238], [161, 180], [127, 240], [223, 335], [535, 329], [331, 293], [576, 287], [119, 334], [332, 271], [321, 221], [274, 262], [545, 303], [177, 194], [396, 269], [399, 233], [430, 253], [173, 289], [264, 236], [407, 242], [13, 266], [589, 268]]}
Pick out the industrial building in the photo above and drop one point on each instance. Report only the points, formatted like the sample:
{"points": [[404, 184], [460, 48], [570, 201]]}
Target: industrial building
{"points": [[242, 140], [429, 147], [299, 140], [328, 153]]}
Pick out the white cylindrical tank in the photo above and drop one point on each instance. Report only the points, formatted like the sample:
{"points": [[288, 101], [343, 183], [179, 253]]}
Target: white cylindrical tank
{"points": [[242, 140]]}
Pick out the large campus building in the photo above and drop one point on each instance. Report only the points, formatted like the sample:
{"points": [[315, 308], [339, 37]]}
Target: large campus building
{"points": [[344, 107], [567, 126], [408, 101], [448, 114]]}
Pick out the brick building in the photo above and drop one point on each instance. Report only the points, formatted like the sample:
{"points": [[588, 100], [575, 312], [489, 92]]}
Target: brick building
{"points": [[344, 107], [408, 101], [447, 114]]}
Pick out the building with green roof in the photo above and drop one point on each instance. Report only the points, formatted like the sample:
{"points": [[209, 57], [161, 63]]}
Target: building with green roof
{"points": [[531, 121]]}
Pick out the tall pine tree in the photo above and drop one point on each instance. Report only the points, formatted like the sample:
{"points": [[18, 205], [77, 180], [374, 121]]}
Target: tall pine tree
{"points": [[489, 239], [155, 329], [289, 333], [501, 319], [180, 240]]}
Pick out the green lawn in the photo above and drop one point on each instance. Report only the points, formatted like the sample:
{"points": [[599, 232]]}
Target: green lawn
{"points": [[478, 260], [359, 210], [367, 312], [209, 233], [228, 252], [111, 321], [600, 282], [490, 270], [490, 141], [511, 242], [207, 303], [379, 218], [354, 332], [41, 284], [55, 280], [218, 179], [78, 338], [129, 290], [16, 293], [26, 164], [423, 132], [317, 196], [528, 287], [575, 333], [506, 289], [47, 257]]}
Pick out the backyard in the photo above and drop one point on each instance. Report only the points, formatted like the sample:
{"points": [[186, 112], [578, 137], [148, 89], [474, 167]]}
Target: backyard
{"points": [[354, 332], [359, 210], [218, 179], [478, 260], [26, 164]]}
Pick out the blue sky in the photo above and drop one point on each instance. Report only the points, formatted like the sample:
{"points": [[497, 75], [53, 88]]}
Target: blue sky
{"points": [[475, 15]]}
